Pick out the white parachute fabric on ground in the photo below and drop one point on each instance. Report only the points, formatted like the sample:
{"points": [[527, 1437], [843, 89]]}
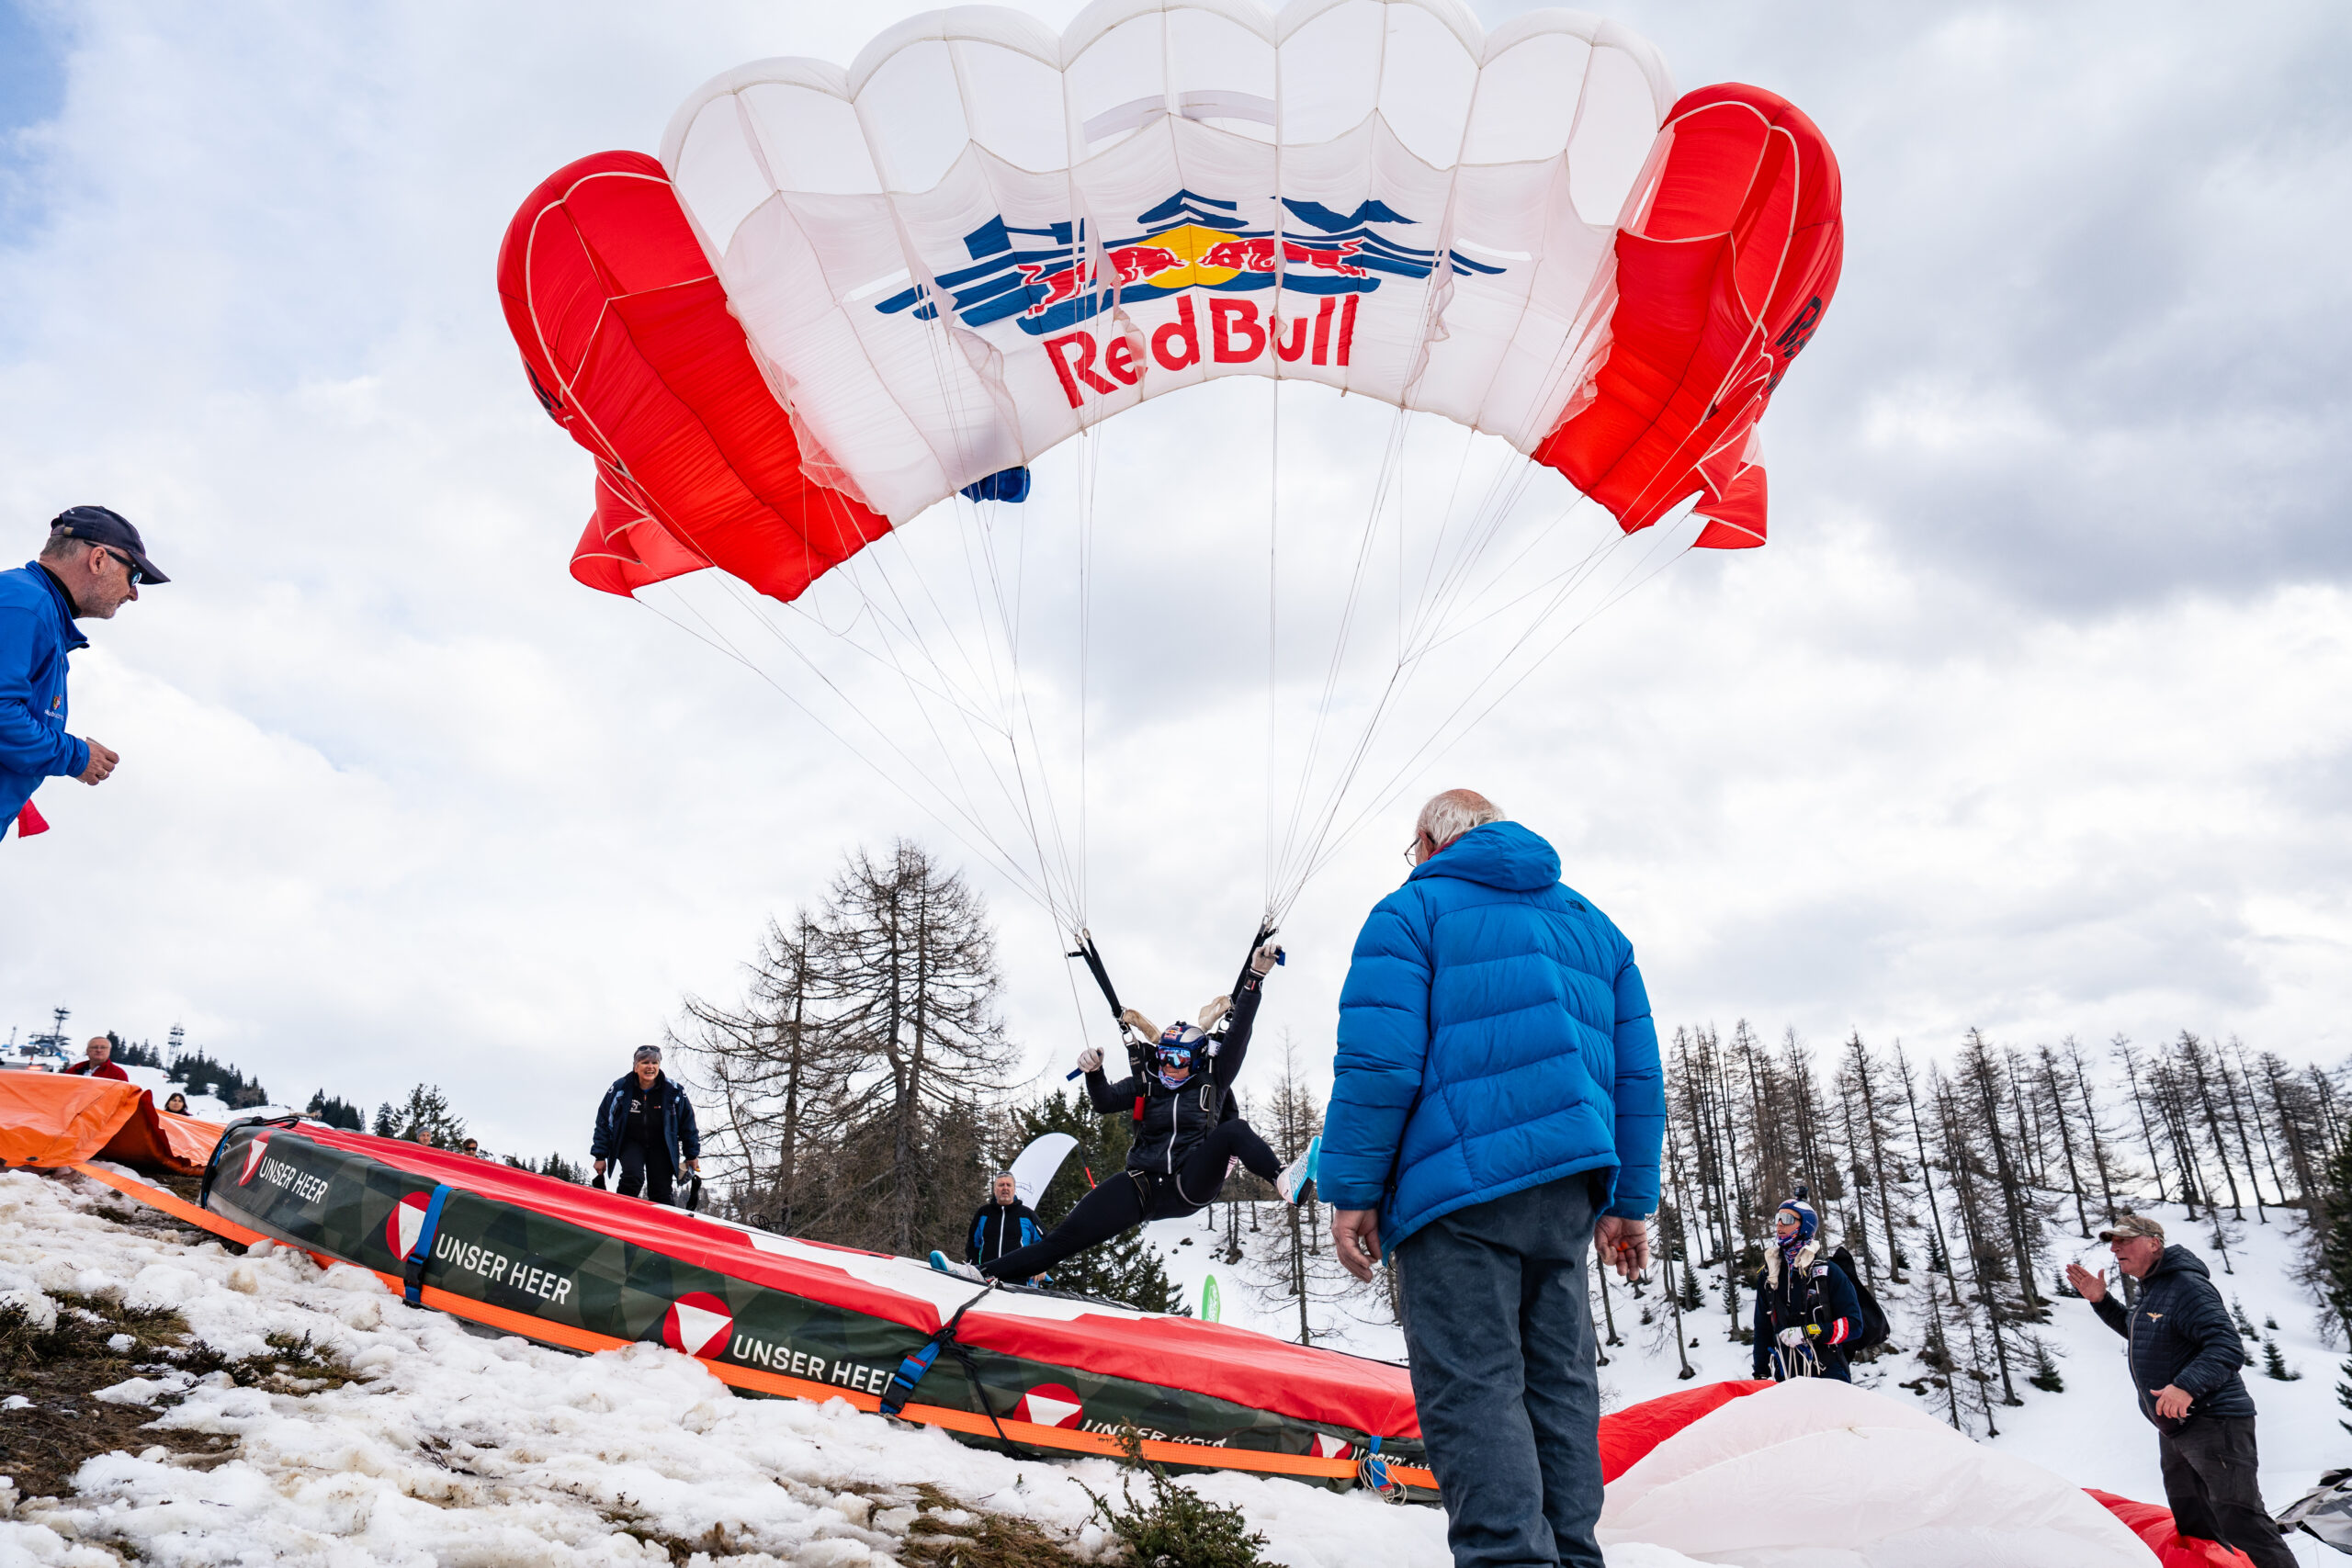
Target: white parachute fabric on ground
{"points": [[979, 237], [1817, 1474]]}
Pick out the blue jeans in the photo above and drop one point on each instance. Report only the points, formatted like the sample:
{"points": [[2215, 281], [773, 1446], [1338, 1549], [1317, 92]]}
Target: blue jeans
{"points": [[1499, 1330]]}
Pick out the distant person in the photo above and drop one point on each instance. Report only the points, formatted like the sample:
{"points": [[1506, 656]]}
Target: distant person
{"points": [[1004, 1223], [1807, 1312], [472, 1147], [92, 566], [177, 1104], [1496, 1113], [97, 1062], [2185, 1353], [648, 1124]]}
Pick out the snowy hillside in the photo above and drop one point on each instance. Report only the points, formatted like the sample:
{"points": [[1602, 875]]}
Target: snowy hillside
{"points": [[443, 1447], [203, 1106], [2088, 1432], [364, 1432]]}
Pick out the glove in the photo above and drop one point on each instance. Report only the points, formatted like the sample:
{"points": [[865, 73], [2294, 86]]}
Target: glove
{"points": [[1089, 1060], [1262, 962], [1791, 1336]]}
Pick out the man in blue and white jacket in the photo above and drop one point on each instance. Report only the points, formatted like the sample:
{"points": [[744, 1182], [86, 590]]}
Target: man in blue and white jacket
{"points": [[1497, 1111], [93, 565]]}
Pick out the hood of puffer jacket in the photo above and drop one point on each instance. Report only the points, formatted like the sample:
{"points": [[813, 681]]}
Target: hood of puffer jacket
{"points": [[2177, 1258], [1500, 855]]}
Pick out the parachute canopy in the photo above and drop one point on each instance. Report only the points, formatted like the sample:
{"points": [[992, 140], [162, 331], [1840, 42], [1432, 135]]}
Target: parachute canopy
{"points": [[846, 293]]}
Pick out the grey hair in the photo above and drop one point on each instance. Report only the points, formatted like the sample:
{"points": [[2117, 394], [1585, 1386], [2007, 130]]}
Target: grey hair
{"points": [[647, 1054], [1449, 815], [62, 544]]}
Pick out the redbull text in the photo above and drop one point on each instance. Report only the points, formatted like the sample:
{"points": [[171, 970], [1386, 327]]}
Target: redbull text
{"points": [[1238, 335]]}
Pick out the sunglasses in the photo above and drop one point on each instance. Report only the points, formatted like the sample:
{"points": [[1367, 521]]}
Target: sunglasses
{"points": [[129, 566]]}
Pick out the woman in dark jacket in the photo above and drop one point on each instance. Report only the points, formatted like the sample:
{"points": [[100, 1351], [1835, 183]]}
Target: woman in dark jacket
{"points": [[1187, 1133]]}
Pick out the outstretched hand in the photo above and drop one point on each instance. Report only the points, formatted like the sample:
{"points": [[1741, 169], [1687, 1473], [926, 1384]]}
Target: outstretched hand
{"points": [[1624, 1245], [1262, 962], [2089, 1286], [1355, 1236]]}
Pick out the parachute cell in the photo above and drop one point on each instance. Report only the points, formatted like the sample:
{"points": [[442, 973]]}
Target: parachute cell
{"points": [[629, 346]]}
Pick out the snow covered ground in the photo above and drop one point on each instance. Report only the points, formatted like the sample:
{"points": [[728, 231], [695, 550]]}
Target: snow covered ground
{"points": [[448, 1448], [2089, 1432], [204, 1106], [455, 1449]]}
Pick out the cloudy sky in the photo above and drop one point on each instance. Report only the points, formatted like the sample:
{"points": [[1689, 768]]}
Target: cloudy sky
{"points": [[2035, 716]]}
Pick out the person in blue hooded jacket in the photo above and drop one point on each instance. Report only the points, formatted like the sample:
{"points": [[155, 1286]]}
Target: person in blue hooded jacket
{"points": [[92, 566], [1496, 1113]]}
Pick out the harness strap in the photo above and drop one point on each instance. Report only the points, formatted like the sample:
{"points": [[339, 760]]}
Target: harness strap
{"points": [[413, 1272], [918, 1361]]}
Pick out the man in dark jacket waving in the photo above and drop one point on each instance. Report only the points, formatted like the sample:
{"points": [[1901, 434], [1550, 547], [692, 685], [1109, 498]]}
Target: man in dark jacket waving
{"points": [[648, 1124], [2185, 1354], [1496, 1111]]}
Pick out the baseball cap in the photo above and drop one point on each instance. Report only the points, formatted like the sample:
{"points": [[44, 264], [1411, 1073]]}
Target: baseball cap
{"points": [[102, 525], [2129, 1226]]}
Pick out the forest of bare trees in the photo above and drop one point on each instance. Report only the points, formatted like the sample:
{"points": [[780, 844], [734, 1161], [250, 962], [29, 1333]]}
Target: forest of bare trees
{"points": [[1952, 1176], [853, 1095]]}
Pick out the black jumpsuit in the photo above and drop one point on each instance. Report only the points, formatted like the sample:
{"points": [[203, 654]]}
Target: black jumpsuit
{"points": [[1183, 1143]]}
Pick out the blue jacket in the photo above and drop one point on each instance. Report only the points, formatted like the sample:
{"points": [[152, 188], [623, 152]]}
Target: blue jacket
{"points": [[1494, 1035], [2179, 1333], [679, 1134], [36, 634]]}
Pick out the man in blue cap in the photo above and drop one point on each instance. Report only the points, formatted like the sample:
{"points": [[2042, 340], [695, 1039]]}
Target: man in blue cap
{"points": [[92, 566]]}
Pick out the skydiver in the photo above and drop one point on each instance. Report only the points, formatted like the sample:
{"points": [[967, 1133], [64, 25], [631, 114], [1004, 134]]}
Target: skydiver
{"points": [[1187, 1132]]}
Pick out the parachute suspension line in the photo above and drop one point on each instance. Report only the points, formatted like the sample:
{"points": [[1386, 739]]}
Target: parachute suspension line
{"points": [[1634, 580], [1274, 621], [1389, 466], [1391, 462], [987, 850]]}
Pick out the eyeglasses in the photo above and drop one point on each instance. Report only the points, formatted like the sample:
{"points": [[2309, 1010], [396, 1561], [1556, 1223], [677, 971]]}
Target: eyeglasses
{"points": [[130, 566], [1413, 850]]}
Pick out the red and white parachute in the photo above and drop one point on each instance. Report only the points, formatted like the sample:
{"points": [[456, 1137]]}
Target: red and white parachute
{"points": [[844, 296], [1817, 1474]]}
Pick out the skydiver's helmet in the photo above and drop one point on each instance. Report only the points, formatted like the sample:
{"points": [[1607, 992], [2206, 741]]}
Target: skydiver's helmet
{"points": [[1180, 1045]]}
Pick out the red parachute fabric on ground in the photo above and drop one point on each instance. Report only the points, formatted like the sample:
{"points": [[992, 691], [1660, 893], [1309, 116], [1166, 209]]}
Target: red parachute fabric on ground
{"points": [[1720, 284], [1627, 1436], [630, 346], [2154, 1526]]}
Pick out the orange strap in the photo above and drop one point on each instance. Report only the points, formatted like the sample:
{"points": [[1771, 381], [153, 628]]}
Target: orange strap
{"points": [[1066, 1439]]}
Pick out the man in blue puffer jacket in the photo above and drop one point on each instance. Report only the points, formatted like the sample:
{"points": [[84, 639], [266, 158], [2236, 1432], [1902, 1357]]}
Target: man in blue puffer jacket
{"points": [[1497, 1111]]}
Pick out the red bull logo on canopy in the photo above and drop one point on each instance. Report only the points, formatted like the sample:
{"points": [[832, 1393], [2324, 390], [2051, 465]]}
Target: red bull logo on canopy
{"points": [[1051, 278], [1049, 281]]}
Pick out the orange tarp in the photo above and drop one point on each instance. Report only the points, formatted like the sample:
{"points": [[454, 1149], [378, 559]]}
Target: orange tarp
{"points": [[49, 1119]]}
